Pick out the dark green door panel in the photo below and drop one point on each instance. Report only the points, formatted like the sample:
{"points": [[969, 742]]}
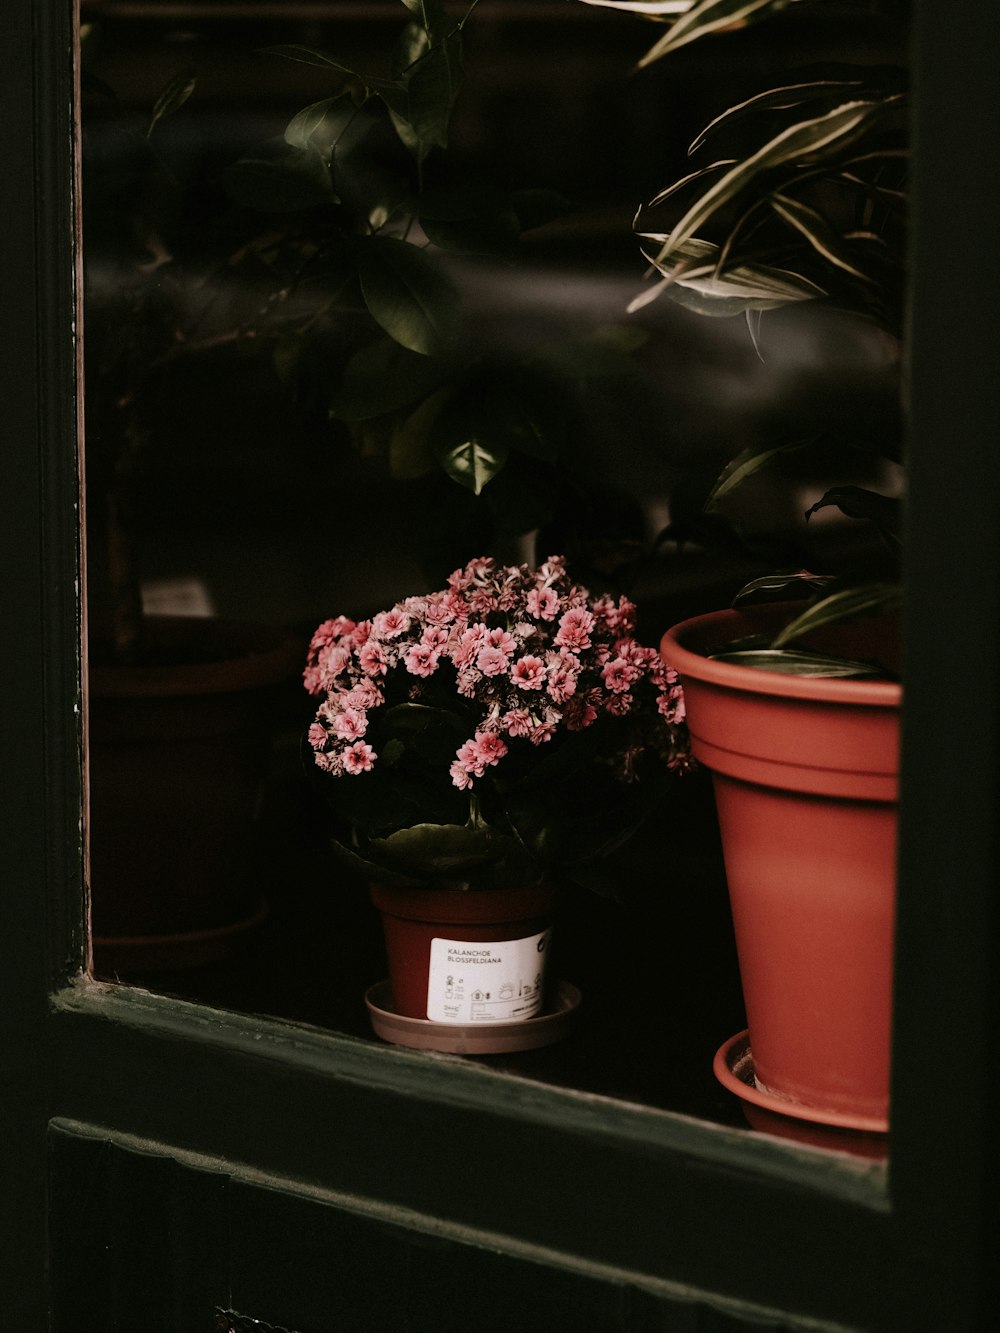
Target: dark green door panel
{"points": [[146, 1241]]}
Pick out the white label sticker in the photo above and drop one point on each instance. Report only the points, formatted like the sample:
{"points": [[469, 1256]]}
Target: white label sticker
{"points": [[491, 982]]}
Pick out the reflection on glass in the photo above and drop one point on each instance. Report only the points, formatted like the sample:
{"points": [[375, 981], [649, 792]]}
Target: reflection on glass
{"points": [[344, 332]]}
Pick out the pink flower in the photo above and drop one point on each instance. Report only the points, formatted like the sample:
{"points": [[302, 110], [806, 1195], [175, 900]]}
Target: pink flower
{"points": [[317, 735], [439, 610], [468, 645], [619, 704], [619, 675], [579, 713], [491, 746], [313, 680], [391, 624], [359, 758], [366, 694], [563, 669], [330, 630], [517, 722], [542, 603], [545, 729], [460, 775], [434, 636], [333, 660], [574, 629], [373, 658], [329, 763], [361, 633], [421, 659], [350, 724], [492, 662], [471, 760], [528, 672]]}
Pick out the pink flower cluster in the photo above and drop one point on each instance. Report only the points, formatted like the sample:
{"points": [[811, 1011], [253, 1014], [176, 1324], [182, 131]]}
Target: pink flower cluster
{"points": [[524, 652]]}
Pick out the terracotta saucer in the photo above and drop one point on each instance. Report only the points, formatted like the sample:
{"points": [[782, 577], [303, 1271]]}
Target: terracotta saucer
{"points": [[733, 1067], [473, 1038]]}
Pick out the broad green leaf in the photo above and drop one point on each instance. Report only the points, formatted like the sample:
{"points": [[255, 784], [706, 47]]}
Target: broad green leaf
{"points": [[795, 662], [411, 451], [799, 144], [172, 98], [470, 220], [884, 511], [421, 103], [431, 16], [280, 179], [869, 599], [409, 295], [811, 224], [301, 128], [436, 849], [383, 377], [473, 462]]}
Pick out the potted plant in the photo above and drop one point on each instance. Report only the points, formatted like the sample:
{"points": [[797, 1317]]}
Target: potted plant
{"points": [[796, 712], [479, 746]]}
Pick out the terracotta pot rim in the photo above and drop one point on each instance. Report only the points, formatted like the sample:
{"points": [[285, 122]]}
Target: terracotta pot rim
{"points": [[712, 631]]}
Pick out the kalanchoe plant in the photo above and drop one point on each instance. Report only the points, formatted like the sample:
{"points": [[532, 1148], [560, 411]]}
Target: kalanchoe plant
{"points": [[491, 733], [802, 198]]}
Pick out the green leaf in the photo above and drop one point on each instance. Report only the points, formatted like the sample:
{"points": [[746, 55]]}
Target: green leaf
{"points": [[280, 179], [172, 98], [712, 16], [869, 599], [774, 99], [409, 295], [435, 849], [420, 102], [885, 511], [811, 224], [473, 463], [430, 734], [474, 220], [798, 144], [746, 463], [306, 55], [301, 128], [789, 662], [383, 377], [693, 281], [411, 452], [777, 587]]}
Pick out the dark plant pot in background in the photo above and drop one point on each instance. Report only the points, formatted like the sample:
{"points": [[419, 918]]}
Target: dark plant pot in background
{"points": [[462, 963], [177, 753], [806, 774]]}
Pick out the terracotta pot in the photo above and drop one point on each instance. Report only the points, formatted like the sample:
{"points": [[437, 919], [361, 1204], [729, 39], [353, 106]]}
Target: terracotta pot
{"points": [[806, 775], [177, 753], [466, 957]]}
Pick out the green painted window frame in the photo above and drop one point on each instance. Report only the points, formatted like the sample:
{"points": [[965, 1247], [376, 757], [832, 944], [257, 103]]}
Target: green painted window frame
{"points": [[700, 1211]]}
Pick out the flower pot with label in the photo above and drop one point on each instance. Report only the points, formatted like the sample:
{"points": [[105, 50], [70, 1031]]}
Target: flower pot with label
{"points": [[478, 745], [467, 970], [805, 771]]}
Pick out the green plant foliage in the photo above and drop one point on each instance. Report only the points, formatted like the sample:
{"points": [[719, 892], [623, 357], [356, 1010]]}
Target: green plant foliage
{"points": [[408, 295], [870, 599]]}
